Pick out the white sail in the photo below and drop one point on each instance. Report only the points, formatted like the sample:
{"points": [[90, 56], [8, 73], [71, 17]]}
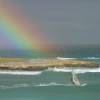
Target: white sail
{"points": [[75, 79]]}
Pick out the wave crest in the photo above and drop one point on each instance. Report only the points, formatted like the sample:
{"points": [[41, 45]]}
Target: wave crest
{"points": [[61, 58], [21, 72], [87, 58], [76, 70]]}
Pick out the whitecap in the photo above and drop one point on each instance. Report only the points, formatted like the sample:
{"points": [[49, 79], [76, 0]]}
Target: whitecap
{"points": [[57, 84], [92, 58], [71, 58], [52, 84], [21, 72], [76, 70], [14, 86], [62, 58]]}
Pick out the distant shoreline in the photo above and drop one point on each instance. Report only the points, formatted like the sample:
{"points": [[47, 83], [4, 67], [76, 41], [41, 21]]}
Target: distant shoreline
{"points": [[22, 64]]}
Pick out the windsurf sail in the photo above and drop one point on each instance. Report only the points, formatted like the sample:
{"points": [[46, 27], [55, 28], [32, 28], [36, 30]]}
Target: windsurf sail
{"points": [[75, 79]]}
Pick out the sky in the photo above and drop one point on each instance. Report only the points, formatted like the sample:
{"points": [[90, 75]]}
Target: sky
{"points": [[64, 22]]}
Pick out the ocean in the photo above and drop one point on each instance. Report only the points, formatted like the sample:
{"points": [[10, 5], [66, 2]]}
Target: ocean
{"points": [[53, 84]]}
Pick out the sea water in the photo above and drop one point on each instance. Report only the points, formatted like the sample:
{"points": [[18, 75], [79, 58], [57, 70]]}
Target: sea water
{"points": [[54, 84], [49, 85]]}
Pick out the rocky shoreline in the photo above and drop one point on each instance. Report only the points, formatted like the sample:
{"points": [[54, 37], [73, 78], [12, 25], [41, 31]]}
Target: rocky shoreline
{"points": [[42, 64]]}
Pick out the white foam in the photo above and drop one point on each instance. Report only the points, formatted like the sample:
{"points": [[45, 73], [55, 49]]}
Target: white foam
{"points": [[88, 58], [21, 72], [14, 86], [52, 84], [21, 85], [25, 85], [84, 84], [56, 84], [76, 70], [33, 85], [61, 58], [92, 58]]}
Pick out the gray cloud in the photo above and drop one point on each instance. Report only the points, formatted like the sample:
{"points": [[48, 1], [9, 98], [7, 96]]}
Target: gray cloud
{"points": [[65, 21]]}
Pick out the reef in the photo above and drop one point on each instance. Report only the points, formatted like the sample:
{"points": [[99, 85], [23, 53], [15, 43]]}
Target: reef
{"points": [[42, 64]]}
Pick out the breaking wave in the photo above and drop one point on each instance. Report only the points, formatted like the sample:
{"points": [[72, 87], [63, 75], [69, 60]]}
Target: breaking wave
{"points": [[61, 58], [21, 72], [85, 58], [75, 70], [92, 58], [64, 69]]}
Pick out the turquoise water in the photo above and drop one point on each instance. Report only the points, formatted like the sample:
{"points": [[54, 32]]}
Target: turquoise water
{"points": [[51, 85]]}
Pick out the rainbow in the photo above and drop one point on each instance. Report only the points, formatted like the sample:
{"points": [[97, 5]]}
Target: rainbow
{"points": [[17, 32]]}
